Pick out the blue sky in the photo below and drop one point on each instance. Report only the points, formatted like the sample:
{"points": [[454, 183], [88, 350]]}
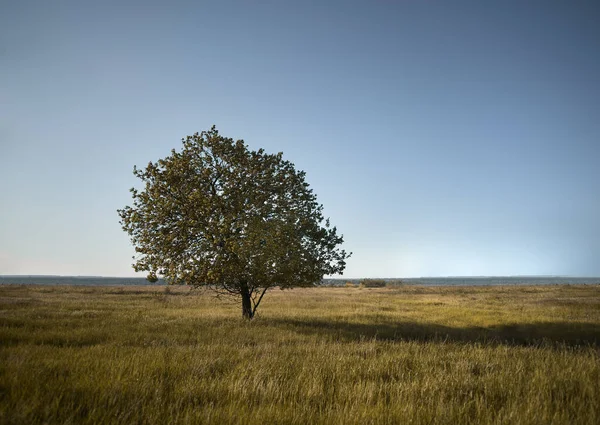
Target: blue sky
{"points": [[443, 138]]}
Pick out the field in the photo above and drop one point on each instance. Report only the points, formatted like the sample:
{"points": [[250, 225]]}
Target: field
{"points": [[419, 355]]}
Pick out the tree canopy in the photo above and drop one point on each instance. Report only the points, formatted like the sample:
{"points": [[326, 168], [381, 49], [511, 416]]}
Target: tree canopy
{"points": [[219, 215]]}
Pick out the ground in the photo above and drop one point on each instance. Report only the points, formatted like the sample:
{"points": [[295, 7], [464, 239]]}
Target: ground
{"points": [[513, 355]]}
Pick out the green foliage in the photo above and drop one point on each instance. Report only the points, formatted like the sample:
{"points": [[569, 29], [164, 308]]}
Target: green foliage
{"points": [[219, 215]]}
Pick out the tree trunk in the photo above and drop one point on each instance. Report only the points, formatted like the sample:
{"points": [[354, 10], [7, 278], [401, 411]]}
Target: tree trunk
{"points": [[247, 312]]}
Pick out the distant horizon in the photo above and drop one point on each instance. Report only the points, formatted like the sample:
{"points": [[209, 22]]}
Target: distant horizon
{"points": [[336, 278]]}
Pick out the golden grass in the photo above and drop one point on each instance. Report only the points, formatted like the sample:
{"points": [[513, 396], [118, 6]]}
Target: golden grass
{"points": [[444, 355]]}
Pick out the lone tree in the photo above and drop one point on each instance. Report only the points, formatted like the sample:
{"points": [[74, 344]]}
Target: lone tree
{"points": [[237, 221]]}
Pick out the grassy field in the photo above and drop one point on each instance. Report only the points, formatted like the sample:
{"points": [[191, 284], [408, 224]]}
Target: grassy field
{"points": [[444, 355]]}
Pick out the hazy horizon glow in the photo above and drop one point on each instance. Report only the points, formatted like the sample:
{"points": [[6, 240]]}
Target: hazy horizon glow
{"points": [[442, 138]]}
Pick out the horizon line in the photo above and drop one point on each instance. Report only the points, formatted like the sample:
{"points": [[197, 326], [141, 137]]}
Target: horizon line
{"points": [[330, 278]]}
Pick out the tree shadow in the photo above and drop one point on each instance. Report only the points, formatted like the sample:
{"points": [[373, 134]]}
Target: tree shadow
{"points": [[570, 334]]}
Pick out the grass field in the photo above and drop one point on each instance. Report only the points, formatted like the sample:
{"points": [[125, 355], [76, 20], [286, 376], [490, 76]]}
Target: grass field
{"points": [[443, 355]]}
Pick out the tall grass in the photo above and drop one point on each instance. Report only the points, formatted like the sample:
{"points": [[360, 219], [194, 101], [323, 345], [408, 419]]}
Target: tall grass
{"points": [[141, 355]]}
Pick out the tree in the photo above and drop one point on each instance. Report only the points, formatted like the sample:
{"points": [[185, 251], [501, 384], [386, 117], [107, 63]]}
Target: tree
{"points": [[219, 215]]}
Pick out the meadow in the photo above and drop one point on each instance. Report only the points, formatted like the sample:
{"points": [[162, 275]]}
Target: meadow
{"points": [[405, 354]]}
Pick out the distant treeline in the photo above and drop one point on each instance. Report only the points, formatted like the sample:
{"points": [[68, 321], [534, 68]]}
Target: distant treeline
{"points": [[367, 283], [76, 280], [465, 281]]}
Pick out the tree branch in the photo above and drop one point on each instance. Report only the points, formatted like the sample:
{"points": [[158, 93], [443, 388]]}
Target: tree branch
{"points": [[259, 299]]}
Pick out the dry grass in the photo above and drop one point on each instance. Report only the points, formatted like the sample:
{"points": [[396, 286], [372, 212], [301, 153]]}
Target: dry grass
{"points": [[496, 355]]}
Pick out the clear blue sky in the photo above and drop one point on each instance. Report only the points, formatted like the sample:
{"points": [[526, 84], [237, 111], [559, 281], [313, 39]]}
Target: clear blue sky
{"points": [[442, 137]]}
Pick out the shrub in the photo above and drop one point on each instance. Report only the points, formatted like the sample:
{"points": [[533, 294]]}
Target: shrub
{"points": [[373, 283]]}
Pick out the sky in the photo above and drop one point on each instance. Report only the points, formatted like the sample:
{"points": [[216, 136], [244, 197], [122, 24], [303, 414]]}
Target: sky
{"points": [[444, 138]]}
